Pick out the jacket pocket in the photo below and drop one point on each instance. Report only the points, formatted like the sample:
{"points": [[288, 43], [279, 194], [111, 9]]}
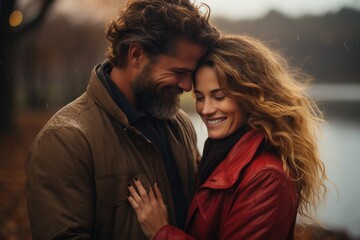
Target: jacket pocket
{"points": [[112, 188]]}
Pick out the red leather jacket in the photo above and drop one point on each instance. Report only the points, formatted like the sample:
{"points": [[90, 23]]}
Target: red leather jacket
{"points": [[247, 196]]}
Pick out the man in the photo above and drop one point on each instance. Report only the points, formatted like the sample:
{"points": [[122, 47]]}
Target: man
{"points": [[126, 126]]}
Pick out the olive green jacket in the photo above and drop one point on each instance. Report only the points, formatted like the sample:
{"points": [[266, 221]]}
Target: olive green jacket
{"points": [[82, 160]]}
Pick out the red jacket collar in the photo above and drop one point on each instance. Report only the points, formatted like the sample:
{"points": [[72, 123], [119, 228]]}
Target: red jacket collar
{"points": [[228, 171]]}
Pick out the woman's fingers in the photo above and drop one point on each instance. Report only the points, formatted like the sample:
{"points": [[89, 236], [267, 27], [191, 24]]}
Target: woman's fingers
{"points": [[159, 196], [135, 196], [150, 209], [134, 204], [142, 191], [140, 199], [152, 196]]}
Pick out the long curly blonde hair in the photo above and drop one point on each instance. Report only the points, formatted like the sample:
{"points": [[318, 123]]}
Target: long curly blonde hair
{"points": [[274, 101]]}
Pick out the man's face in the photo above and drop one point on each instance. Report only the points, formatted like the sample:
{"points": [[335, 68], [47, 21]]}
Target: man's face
{"points": [[159, 85]]}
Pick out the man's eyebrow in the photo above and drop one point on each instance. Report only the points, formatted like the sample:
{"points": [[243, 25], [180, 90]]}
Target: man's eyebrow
{"points": [[179, 69]]}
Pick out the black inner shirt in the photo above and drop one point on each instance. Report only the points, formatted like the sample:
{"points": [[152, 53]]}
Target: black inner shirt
{"points": [[153, 129]]}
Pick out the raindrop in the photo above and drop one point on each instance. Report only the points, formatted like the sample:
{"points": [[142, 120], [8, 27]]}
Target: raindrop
{"points": [[298, 38], [346, 46], [47, 105]]}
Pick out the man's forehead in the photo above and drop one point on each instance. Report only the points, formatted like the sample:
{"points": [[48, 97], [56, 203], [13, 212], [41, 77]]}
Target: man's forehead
{"points": [[184, 56], [182, 46]]}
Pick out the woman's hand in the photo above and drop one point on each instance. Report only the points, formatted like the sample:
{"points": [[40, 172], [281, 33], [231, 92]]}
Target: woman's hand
{"points": [[151, 211]]}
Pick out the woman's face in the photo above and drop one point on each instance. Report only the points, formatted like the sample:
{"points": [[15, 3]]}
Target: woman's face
{"points": [[221, 114]]}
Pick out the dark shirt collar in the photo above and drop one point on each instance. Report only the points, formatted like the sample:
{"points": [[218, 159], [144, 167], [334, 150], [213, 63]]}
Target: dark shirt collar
{"points": [[103, 73]]}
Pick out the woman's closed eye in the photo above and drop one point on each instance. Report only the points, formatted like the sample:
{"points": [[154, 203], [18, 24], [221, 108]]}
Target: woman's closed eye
{"points": [[219, 97], [199, 97]]}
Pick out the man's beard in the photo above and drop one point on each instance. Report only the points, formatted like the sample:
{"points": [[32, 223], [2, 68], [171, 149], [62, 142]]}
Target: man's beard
{"points": [[155, 103]]}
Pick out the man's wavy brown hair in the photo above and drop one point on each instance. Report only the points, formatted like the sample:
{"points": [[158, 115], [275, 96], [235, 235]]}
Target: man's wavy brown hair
{"points": [[156, 25], [275, 102]]}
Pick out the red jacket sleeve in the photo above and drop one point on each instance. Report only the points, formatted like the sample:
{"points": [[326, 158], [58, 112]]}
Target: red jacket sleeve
{"points": [[171, 232], [264, 208]]}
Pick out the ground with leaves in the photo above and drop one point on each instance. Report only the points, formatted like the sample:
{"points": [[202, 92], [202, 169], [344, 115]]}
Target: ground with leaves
{"points": [[14, 147]]}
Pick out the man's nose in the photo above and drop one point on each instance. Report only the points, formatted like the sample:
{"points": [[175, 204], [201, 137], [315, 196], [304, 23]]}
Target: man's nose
{"points": [[185, 83]]}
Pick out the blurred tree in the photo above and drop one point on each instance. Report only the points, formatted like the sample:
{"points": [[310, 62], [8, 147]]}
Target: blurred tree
{"points": [[327, 47], [10, 33]]}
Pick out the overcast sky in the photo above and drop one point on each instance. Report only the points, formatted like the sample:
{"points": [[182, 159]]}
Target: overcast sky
{"points": [[245, 9], [83, 10]]}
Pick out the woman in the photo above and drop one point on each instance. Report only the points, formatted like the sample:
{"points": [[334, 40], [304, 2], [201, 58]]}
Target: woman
{"points": [[260, 165]]}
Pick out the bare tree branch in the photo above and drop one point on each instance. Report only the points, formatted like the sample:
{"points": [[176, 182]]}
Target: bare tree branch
{"points": [[35, 21]]}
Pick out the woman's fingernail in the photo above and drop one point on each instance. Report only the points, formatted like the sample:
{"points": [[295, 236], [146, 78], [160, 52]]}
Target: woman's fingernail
{"points": [[136, 179], [129, 185], [128, 195]]}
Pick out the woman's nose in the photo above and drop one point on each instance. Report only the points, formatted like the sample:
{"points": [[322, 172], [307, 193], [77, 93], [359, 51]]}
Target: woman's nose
{"points": [[208, 108]]}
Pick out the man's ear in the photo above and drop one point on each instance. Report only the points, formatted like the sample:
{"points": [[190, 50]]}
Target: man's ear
{"points": [[136, 55]]}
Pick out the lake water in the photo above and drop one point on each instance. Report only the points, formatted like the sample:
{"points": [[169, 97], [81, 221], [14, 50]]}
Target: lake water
{"points": [[340, 150]]}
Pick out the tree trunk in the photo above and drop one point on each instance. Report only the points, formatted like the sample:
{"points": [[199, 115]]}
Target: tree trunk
{"points": [[6, 81], [8, 36]]}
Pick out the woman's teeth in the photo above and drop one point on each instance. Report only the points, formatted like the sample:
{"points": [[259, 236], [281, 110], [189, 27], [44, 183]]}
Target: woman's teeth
{"points": [[215, 121]]}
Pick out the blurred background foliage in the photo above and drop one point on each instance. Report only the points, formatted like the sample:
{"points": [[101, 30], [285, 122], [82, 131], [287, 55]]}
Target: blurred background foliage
{"points": [[49, 47]]}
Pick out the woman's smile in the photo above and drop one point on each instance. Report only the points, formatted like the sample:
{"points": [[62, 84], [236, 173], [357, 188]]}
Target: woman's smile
{"points": [[221, 114], [214, 121]]}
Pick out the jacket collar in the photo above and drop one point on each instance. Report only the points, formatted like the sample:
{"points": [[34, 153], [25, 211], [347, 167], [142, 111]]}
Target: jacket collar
{"points": [[98, 92], [227, 172], [103, 73]]}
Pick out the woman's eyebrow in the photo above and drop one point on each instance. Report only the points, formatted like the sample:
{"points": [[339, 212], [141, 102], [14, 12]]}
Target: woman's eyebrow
{"points": [[216, 90], [212, 91]]}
